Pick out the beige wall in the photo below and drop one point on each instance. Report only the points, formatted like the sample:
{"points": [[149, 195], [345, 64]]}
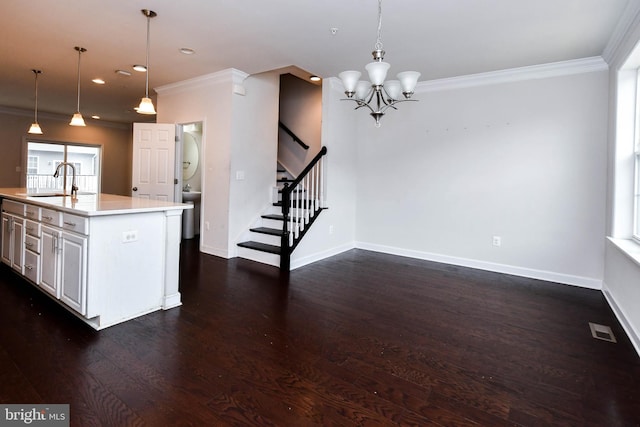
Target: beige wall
{"points": [[115, 139]]}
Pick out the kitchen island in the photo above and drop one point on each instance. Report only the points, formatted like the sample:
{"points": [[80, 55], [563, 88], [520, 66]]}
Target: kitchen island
{"points": [[105, 258]]}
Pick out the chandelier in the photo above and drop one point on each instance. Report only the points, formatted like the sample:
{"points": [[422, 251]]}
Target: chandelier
{"points": [[378, 95]]}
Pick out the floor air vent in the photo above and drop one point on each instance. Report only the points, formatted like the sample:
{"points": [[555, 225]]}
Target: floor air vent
{"points": [[602, 332]]}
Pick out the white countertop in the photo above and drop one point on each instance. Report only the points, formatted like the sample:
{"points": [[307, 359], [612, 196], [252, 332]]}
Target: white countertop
{"points": [[91, 204]]}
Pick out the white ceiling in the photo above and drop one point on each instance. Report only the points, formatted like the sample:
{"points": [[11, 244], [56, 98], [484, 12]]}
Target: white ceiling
{"points": [[439, 38]]}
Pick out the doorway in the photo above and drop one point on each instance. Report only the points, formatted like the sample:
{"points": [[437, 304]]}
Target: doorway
{"points": [[190, 173]]}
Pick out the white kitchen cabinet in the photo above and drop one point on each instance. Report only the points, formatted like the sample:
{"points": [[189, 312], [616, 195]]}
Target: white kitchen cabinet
{"points": [[49, 260], [13, 241], [105, 258], [73, 271]]}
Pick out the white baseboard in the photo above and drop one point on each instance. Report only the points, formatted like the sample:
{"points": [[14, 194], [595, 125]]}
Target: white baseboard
{"points": [[550, 276], [300, 262], [633, 335]]}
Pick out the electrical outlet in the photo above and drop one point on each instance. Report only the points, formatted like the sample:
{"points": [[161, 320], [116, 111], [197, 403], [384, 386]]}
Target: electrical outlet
{"points": [[331, 229], [129, 236], [497, 241]]}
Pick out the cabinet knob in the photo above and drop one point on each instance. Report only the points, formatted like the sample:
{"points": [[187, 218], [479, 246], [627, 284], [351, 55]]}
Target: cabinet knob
{"points": [[135, 188]]}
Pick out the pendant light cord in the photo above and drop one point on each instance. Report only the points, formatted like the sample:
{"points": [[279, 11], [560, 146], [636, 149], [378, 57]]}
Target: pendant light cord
{"points": [[36, 72], [378, 45], [146, 88], [80, 50]]}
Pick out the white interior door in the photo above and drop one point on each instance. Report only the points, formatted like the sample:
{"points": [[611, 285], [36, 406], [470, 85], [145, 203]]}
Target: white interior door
{"points": [[153, 174]]}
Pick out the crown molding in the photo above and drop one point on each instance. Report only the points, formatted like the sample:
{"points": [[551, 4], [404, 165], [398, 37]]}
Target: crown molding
{"points": [[541, 71], [61, 117], [230, 75], [630, 19]]}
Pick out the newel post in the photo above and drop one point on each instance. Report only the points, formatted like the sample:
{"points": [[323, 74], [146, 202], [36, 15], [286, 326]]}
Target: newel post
{"points": [[285, 255]]}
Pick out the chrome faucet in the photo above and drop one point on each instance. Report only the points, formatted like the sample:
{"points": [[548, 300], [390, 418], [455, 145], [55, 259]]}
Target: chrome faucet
{"points": [[74, 187]]}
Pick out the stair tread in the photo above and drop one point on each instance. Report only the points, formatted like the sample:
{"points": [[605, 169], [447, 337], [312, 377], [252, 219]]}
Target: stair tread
{"points": [[263, 247], [277, 217], [267, 230]]}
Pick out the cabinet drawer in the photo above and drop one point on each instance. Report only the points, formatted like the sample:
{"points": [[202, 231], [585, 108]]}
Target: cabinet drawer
{"points": [[51, 217], [32, 228], [32, 244], [32, 212], [32, 266], [16, 208], [78, 224]]}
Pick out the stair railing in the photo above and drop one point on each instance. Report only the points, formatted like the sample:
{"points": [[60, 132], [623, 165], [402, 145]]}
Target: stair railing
{"points": [[302, 202], [293, 135]]}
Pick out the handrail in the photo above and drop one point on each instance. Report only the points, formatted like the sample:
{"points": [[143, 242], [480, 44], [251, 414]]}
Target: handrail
{"points": [[293, 135], [310, 183], [291, 185]]}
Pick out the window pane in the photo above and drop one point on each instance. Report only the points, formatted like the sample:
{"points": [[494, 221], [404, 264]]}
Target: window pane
{"points": [[49, 155], [85, 160]]}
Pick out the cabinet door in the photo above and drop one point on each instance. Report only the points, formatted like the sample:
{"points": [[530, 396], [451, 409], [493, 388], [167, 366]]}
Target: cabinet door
{"points": [[50, 261], [73, 268], [17, 245], [6, 239]]}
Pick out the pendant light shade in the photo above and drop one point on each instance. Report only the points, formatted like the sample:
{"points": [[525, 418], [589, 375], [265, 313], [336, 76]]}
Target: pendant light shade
{"points": [[146, 105], [77, 119], [35, 127]]}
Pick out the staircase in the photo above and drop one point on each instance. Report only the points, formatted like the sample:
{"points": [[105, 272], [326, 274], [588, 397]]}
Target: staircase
{"points": [[282, 227]]}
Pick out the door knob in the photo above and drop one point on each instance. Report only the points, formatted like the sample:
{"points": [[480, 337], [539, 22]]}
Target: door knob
{"points": [[135, 188]]}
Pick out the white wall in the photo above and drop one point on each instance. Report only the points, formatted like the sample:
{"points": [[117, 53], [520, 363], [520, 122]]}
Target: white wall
{"points": [[254, 152], [208, 99], [524, 160], [334, 230], [622, 268]]}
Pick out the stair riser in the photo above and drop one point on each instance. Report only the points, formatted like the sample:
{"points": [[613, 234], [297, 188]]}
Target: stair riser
{"points": [[265, 238], [263, 257], [272, 223]]}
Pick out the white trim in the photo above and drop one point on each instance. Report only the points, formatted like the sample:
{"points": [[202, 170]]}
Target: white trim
{"points": [[61, 117], [550, 276], [628, 247], [628, 20], [301, 262], [232, 75], [633, 335], [555, 69]]}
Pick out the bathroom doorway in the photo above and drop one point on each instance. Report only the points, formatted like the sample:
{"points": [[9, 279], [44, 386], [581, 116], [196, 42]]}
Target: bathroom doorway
{"points": [[190, 172]]}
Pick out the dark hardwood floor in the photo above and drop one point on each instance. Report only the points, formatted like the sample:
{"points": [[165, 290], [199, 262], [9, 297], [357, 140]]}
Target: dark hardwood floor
{"points": [[359, 339]]}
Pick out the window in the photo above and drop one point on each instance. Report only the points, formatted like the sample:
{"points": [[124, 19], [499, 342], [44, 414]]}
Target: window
{"points": [[32, 165], [48, 155], [636, 157]]}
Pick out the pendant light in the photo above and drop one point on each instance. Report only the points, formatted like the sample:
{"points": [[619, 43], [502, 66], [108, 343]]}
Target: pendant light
{"points": [[77, 119], [35, 127], [146, 105]]}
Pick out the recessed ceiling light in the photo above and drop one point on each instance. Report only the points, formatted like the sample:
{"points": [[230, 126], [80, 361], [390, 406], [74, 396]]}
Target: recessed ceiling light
{"points": [[123, 72], [140, 68], [315, 78], [187, 50], [95, 117], [98, 81]]}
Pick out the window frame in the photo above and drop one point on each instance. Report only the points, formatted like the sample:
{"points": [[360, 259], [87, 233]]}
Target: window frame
{"points": [[67, 147]]}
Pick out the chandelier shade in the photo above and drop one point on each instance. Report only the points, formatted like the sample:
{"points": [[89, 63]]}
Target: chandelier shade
{"points": [[35, 127], [146, 105], [377, 95], [77, 119]]}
